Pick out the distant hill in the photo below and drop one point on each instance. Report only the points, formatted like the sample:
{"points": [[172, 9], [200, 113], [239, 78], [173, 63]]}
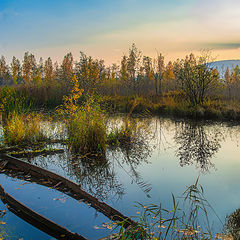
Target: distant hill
{"points": [[221, 66]]}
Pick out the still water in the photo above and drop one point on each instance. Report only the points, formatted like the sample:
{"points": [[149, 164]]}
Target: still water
{"points": [[167, 156]]}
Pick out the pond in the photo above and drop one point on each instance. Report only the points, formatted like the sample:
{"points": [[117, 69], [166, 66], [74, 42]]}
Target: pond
{"points": [[170, 155]]}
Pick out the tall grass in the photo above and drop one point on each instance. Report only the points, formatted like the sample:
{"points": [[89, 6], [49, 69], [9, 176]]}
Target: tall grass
{"points": [[86, 124], [23, 129], [154, 222], [128, 134], [87, 129], [12, 101], [47, 95]]}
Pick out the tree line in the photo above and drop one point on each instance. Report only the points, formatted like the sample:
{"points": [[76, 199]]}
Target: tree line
{"points": [[137, 74]]}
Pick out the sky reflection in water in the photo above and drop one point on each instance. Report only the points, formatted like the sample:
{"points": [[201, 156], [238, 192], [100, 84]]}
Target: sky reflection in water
{"points": [[164, 161]]}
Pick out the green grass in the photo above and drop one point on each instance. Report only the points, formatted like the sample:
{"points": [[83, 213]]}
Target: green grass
{"points": [[12, 101], [232, 226], [86, 129]]}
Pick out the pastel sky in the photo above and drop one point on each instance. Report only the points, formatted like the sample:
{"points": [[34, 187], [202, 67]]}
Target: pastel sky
{"points": [[107, 28]]}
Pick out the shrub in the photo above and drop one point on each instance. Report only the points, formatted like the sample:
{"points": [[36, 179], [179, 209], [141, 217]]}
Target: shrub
{"points": [[86, 126], [87, 129]]}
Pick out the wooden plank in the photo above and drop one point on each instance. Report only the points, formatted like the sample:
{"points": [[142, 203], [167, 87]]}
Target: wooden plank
{"points": [[9, 149], [30, 154], [37, 220], [64, 185]]}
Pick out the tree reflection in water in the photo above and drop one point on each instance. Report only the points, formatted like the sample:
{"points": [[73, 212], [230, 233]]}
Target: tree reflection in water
{"points": [[96, 176], [134, 152], [196, 144]]}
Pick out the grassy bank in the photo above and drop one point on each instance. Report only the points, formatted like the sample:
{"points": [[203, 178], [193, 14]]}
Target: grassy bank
{"points": [[173, 104], [86, 116]]}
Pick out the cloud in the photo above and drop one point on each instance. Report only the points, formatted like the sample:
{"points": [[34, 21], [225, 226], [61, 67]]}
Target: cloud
{"points": [[230, 45]]}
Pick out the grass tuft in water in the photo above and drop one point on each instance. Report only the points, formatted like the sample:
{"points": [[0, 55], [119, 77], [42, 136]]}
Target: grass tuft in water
{"points": [[86, 124], [23, 129]]}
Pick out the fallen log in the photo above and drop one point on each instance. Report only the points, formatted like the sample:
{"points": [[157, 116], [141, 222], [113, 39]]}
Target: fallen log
{"points": [[30, 154], [37, 220], [50, 179], [9, 149]]}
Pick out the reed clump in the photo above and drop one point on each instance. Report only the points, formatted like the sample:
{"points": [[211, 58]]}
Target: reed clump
{"points": [[125, 134], [13, 101], [87, 129], [86, 124], [23, 129]]}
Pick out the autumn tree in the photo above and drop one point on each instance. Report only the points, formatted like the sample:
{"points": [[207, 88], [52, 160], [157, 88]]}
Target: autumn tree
{"points": [[56, 71], [41, 66], [4, 71], [169, 78], [235, 82], [48, 71], [29, 67], [66, 71], [197, 79], [159, 75], [123, 73], [37, 76], [101, 71], [133, 62], [90, 72], [148, 68], [227, 78], [15, 68], [177, 66], [148, 71]]}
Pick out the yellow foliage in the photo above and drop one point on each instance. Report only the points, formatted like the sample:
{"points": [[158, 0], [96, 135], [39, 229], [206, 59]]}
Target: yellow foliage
{"points": [[85, 124], [70, 104], [20, 128]]}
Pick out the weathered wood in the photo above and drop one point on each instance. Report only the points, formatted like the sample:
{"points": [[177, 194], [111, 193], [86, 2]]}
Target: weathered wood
{"points": [[27, 154], [3, 164], [37, 220], [50, 179], [9, 149]]}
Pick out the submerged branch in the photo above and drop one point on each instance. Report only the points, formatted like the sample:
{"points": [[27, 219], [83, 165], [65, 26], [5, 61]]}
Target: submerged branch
{"points": [[44, 177], [36, 219]]}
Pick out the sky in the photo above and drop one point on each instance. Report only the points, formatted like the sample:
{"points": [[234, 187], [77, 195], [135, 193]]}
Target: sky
{"points": [[105, 29]]}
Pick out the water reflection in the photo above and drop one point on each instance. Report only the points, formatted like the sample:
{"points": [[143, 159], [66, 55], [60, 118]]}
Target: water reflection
{"points": [[96, 175], [3, 229], [134, 152], [129, 157], [99, 175], [123, 168], [197, 144]]}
